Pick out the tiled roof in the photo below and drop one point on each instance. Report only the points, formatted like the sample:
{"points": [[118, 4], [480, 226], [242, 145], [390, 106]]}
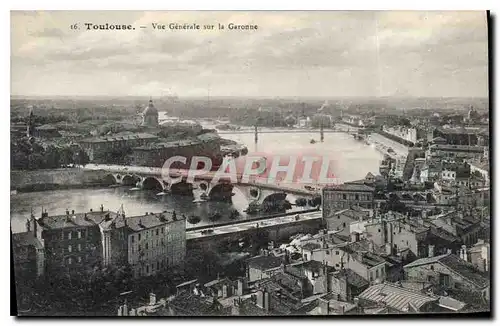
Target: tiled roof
{"points": [[350, 187], [143, 222], [352, 278], [119, 137], [311, 246], [265, 262], [457, 265], [450, 303], [25, 239], [74, 220], [396, 297]]}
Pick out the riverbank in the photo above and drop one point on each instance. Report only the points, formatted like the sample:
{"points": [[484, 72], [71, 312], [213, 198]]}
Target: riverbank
{"points": [[54, 179]]}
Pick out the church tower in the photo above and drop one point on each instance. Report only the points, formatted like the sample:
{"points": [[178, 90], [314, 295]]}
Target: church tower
{"points": [[150, 115]]}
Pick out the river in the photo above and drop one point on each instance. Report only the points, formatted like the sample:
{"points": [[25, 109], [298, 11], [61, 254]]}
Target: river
{"points": [[353, 160]]}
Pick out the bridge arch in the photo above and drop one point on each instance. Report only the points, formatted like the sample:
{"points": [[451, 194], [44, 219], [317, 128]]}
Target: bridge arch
{"points": [[109, 179], [130, 180], [274, 201], [221, 192], [254, 193], [152, 183]]}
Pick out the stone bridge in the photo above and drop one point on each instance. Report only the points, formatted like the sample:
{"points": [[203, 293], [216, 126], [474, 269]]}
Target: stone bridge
{"points": [[150, 178]]}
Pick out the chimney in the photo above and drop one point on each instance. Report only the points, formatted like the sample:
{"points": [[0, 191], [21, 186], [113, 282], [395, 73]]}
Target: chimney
{"points": [[67, 212], [448, 251], [266, 301], [260, 299], [72, 212], [224, 291], [125, 309], [102, 208], [370, 247], [354, 237], [323, 306], [463, 252], [431, 251], [28, 225], [152, 299]]}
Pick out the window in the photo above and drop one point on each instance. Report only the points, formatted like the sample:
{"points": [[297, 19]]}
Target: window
{"points": [[379, 231], [356, 197], [139, 237], [147, 268], [79, 234], [132, 238], [79, 259], [157, 231], [432, 267], [79, 247], [70, 261], [376, 273], [337, 252], [162, 230], [343, 224], [70, 248], [68, 235], [147, 245], [344, 196], [157, 265]]}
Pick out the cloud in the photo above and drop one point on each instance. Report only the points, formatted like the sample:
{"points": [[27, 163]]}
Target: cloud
{"points": [[292, 53]]}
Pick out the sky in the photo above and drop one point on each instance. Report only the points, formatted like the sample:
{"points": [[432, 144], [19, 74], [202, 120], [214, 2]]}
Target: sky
{"points": [[327, 54]]}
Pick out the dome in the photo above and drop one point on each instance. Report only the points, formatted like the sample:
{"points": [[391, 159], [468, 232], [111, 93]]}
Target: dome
{"points": [[150, 109]]}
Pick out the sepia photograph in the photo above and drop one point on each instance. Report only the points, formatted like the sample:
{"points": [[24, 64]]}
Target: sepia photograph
{"points": [[250, 163]]}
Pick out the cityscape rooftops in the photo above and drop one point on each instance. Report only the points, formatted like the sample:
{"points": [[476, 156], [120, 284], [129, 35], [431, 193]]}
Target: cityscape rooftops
{"points": [[265, 262], [72, 220], [396, 297], [143, 222], [170, 144], [119, 137], [457, 265], [350, 187]]}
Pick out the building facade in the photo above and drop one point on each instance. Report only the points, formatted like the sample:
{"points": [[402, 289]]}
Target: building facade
{"points": [[347, 195]]}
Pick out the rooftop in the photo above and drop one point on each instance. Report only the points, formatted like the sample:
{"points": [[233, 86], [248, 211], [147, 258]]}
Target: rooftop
{"points": [[119, 137], [265, 262], [75, 220], [396, 297], [143, 222], [457, 265], [352, 278], [350, 187]]}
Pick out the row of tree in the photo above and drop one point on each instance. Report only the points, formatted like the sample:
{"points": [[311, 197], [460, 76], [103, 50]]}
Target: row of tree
{"points": [[28, 154]]}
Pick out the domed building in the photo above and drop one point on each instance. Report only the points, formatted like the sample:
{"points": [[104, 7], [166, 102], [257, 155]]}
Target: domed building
{"points": [[150, 115]]}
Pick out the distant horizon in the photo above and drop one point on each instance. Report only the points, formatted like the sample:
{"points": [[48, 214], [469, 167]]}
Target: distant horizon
{"points": [[249, 97]]}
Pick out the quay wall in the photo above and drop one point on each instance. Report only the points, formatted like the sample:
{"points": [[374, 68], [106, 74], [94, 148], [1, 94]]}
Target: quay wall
{"points": [[39, 180], [277, 233]]}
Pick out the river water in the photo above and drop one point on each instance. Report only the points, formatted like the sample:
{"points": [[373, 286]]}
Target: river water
{"points": [[353, 160]]}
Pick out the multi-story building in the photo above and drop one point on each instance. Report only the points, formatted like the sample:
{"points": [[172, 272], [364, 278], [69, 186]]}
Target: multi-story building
{"points": [[148, 243], [347, 195], [80, 242], [71, 242], [455, 152], [405, 134], [97, 147], [462, 136]]}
